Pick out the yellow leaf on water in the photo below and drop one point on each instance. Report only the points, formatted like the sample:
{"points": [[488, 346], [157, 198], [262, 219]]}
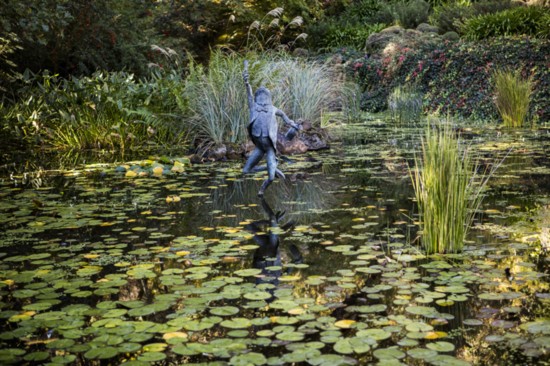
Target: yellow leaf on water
{"points": [[182, 253], [170, 335], [158, 170], [131, 174], [345, 323]]}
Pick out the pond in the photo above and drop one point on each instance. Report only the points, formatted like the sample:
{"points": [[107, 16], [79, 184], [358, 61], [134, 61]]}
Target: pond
{"points": [[158, 261]]}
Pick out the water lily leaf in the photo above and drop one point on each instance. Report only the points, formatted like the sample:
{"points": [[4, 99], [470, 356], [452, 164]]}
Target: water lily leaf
{"points": [[101, 353], [421, 353], [152, 356], [374, 333], [246, 359], [345, 323], [236, 323], [441, 346], [389, 353]]}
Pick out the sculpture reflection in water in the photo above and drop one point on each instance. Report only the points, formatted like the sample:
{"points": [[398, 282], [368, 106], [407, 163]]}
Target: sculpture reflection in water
{"points": [[267, 257]]}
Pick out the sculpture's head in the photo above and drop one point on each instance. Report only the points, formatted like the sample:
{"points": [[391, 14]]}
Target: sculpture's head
{"points": [[262, 96]]}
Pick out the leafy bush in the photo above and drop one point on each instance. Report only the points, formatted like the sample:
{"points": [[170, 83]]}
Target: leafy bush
{"points": [[447, 189], [405, 104], [513, 95], [450, 16], [349, 35], [105, 110], [525, 20], [410, 14]]}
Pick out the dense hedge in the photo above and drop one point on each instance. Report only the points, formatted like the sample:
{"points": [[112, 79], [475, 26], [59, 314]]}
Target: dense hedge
{"points": [[455, 76]]}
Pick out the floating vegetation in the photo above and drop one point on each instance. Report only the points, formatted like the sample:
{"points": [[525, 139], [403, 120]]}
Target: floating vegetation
{"points": [[102, 268]]}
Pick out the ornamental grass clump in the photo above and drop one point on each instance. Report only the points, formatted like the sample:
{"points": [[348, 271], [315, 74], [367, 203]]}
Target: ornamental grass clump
{"points": [[405, 105], [217, 99], [448, 190], [513, 95], [303, 89]]}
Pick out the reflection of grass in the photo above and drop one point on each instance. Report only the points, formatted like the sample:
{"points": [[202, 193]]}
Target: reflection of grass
{"points": [[405, 105], [446, 190], [513, 94]]}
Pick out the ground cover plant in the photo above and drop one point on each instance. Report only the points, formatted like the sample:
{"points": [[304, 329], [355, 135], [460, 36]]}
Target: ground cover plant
{"points": [[455, 77]]}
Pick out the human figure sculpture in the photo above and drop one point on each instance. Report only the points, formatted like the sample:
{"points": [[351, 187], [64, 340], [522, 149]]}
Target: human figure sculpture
{"points": [[262, 130]]}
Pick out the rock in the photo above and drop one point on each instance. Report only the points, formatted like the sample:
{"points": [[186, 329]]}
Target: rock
{"points": [[218, 152], [315, 140], [394, 29], [427, 28], [294, 146], [306, 125]]}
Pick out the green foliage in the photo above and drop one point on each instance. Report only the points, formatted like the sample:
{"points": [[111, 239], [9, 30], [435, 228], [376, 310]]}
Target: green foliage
{"points": [[405, 104], [336, 35], [301, 88], [447, 190], [513, 95], [104, 110], [217, 99], [411, 13], [69, 37], [8, 45], [524, 20], [456, 78], [450, 16], [351, 103]]}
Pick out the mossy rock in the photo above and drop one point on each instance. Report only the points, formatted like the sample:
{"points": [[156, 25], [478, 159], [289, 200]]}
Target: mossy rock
{"points": [[427, 28]]}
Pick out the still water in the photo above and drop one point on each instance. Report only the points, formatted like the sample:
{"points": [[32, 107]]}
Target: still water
{"points": [[152, 260]]}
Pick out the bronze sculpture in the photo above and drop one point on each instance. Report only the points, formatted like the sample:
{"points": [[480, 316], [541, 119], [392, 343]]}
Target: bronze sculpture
{"points": [[262, 130]]}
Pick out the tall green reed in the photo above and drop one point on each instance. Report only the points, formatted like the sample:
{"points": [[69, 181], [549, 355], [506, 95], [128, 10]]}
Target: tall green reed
{"points": [[448, 190], [513, 95]]}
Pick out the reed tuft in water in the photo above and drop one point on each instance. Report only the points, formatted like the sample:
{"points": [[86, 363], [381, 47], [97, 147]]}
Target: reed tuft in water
{"points": [[448, 190], [513, 95]]}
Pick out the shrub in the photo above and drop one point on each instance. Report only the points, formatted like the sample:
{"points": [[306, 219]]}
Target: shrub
{"points": [[452, 15], [410, 14], [349, 35], [513, 94], [405, 104], [105, 110], [525, 20], [447, 189]]}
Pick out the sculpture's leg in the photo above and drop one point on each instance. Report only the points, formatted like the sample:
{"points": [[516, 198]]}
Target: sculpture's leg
{"points": [[271, 170], [253, 160]]}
